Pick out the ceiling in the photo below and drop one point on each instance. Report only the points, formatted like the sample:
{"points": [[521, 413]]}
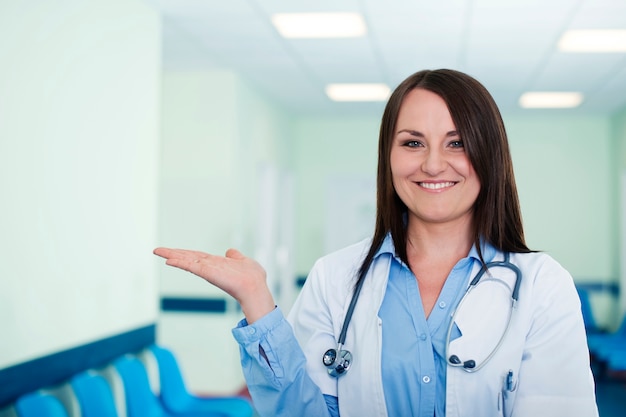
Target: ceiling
{"points": [[509, 45]]}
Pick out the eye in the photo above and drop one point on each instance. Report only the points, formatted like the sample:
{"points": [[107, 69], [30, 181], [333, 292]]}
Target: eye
{"points": [[456, 144], [412, 143]]}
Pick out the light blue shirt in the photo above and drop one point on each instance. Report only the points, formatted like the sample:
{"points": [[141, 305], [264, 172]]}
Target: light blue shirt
{"points": [[414, 367]]}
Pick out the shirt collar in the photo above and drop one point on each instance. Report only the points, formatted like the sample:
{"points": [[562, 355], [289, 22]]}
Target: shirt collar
{"points": [[386, 247]]}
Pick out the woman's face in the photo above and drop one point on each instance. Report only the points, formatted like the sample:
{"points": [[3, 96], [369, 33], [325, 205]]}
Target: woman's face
{"points": [[430, 169]]}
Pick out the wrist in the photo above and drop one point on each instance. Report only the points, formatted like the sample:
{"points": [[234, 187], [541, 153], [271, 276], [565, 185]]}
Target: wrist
{"points": [[255, 309]]}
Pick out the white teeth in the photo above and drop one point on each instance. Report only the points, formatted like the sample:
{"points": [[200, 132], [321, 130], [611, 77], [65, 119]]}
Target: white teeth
{"points": [[436, 185]]}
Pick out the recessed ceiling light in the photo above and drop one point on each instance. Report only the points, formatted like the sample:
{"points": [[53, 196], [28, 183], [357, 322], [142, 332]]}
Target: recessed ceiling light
{"points": [[535, 100], [319, 25], [593, 41], [357, 92]]}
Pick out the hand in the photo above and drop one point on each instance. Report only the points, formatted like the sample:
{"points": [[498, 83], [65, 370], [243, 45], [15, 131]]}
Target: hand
{"points": [[242, 278]]}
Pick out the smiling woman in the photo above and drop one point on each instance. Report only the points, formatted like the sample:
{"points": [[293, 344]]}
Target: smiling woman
{"points": [[369, 334]]}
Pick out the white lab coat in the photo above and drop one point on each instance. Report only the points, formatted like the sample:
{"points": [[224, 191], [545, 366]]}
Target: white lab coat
{"points": [[545, 346]]}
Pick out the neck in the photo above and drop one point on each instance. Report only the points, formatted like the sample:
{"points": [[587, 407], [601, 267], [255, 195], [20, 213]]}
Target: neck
{"points": [[439, 242]]}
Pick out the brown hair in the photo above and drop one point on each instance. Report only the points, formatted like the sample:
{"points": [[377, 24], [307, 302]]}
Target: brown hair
{"points": [[497, 215]]}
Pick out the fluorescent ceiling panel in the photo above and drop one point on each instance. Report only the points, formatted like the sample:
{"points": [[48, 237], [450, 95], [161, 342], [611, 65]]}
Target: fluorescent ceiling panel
{"points": [[357, 92], [550, 100], [319, 25], [593, 41]]}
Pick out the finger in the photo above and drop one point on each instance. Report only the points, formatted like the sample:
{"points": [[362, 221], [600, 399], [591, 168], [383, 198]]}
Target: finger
{"points": [[170, 253], [163, 252]]}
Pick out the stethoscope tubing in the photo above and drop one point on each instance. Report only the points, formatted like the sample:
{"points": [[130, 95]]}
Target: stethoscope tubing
{"points": [[349, 312]]}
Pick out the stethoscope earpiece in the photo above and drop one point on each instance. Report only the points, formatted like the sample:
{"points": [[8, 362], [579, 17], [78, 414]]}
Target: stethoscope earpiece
{"points": [[454, 360], [337, 365]]}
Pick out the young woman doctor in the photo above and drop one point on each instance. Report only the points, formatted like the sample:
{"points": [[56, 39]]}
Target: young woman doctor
{"points": [[444, 311]]}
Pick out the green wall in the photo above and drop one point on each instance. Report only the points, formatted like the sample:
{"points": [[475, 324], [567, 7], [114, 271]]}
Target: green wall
{"points": [[619, 138], [619, 172], [563, 171], [327, 149]]}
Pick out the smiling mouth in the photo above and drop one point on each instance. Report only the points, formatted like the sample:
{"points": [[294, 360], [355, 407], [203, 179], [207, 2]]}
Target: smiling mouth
{"points": [[436, 185]]}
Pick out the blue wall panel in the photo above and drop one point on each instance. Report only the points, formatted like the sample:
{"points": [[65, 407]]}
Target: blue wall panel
{"points": [[58, 367]]}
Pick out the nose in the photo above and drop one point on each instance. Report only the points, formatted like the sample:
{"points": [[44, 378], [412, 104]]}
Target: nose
{"points": [[434, 162]]}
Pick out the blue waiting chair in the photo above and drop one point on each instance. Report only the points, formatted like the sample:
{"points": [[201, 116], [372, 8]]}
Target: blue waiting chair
{"points": [[140, 400], [178, 400], [616, 360], [94, 395], [601, 344], [39, 404]]}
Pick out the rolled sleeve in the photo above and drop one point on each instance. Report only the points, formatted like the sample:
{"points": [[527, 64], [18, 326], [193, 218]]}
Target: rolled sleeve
{"points": [[275, 368]]}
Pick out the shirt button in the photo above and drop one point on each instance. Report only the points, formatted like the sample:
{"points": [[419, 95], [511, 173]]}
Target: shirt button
{"points": [[426, 379], [252, 330], [423, 336], [442, 304]]}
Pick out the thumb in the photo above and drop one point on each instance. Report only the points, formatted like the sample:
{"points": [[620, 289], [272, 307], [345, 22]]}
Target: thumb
{"points": [[234, 254]]}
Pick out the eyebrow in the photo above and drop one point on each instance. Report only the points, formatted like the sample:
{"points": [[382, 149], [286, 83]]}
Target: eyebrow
{"points": [[419, 134]]}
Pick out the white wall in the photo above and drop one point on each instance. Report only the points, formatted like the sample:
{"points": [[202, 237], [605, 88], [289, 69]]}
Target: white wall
{"points": [[79, 102]]}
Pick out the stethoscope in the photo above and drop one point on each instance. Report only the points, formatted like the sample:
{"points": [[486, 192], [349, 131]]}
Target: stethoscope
{"points": [[338, 361]]}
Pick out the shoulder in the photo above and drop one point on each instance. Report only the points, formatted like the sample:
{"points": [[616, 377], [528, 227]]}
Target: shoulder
{"points": [[537, 265], [345, 258], [545, 278]]}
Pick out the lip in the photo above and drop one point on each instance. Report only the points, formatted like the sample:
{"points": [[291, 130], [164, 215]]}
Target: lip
{"points": [[436, 185]]}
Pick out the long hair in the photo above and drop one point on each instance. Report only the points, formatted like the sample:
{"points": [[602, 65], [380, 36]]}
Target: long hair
{"points": [[496, 213]]}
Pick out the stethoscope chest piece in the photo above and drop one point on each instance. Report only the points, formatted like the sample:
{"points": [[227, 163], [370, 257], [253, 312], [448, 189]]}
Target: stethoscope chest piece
{"points": [[337, 364]]}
